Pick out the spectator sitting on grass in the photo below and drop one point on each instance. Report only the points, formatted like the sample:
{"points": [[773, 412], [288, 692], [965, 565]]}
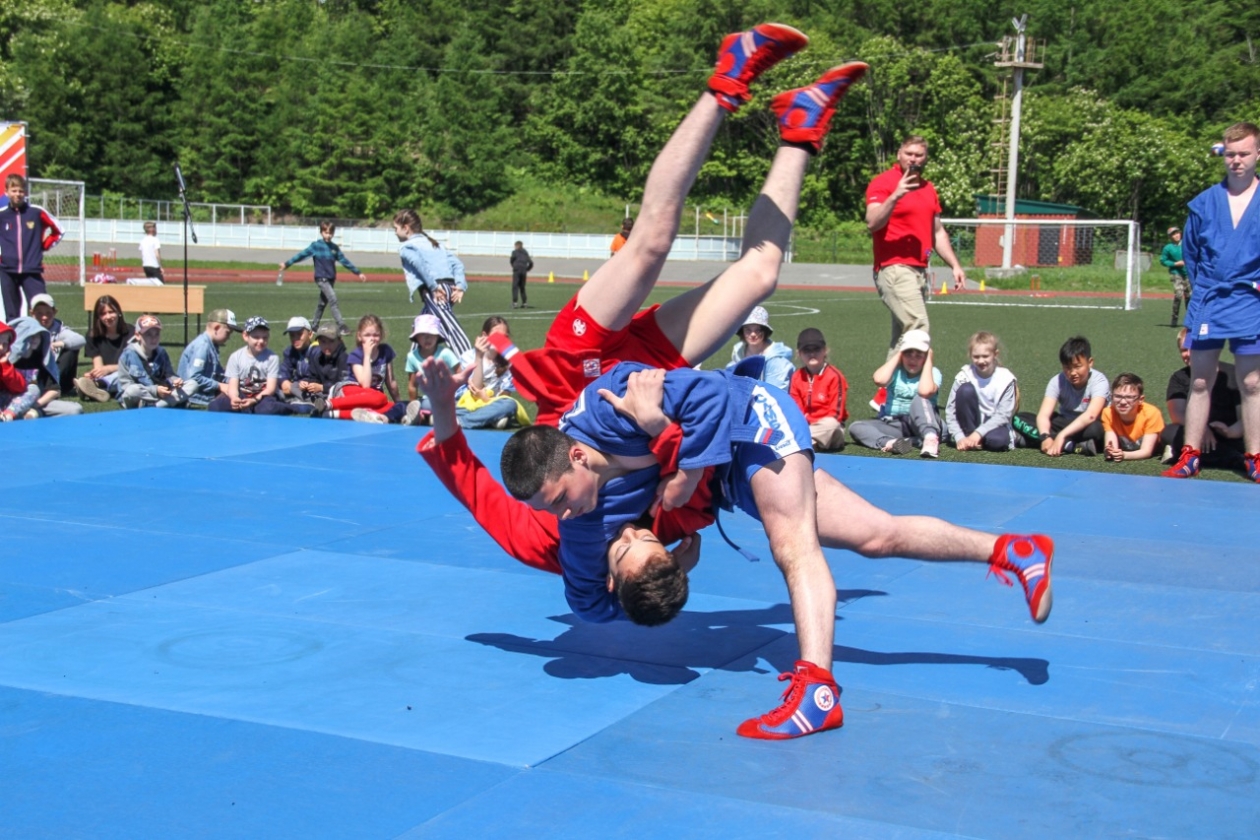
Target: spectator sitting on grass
{"points": [[819, 389], [1222, 440], [146, 376], [31, 354], [909, 417], [66, 343], [110, 332], [426, 341], [12, 384], [754, 340], [487, 401], [297, 390], [329, 366], [1068, 420], [253, 375], [982, 400], [370, 393], [199, 363], [1131, 426]]}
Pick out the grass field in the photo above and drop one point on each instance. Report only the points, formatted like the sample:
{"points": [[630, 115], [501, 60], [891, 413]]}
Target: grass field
{"points": [[856, 326]]}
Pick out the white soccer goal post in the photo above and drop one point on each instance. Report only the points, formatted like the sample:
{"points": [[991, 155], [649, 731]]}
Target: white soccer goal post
{"points": [[1076, 263], [67, 261]]}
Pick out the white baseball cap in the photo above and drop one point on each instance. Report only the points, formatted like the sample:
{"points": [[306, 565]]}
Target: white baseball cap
{"points": [[916, 340]]}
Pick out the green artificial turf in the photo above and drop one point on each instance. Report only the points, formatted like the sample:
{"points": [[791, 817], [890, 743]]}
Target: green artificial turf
{"points": [[856, 325]]}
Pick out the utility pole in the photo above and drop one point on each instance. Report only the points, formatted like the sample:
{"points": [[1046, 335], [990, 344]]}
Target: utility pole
{"points": [[1022, 59]]}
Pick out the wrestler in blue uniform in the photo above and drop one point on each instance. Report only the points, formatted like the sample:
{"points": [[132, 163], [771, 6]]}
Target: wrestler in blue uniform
{"points": [[732, 422], [1223, 262]]}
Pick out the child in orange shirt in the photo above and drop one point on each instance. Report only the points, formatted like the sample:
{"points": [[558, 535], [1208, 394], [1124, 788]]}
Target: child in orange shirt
{"points": [[1131, 426]]}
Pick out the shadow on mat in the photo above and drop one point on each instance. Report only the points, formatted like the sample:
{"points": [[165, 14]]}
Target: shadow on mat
{"points": [[726, 640]]}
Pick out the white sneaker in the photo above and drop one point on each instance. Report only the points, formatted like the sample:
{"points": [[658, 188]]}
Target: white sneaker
{"points": [[931, 447], [413, 412], [503, 422], [1169, 456], [367, 415]]}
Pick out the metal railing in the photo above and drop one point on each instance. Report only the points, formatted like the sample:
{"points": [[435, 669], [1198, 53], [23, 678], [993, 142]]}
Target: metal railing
{"points": [[383, 240]]}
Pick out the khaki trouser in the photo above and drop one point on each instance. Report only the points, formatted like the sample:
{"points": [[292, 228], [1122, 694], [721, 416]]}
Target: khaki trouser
{"points": [[827, 434], [904, 290]]}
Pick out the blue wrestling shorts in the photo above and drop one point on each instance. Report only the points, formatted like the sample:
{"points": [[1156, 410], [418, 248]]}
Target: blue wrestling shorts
{"points": [[1247, 346], [771, 410]]}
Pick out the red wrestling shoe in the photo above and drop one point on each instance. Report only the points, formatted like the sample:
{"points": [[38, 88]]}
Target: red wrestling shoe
{"points": [[1187, 465], [1251, 466], [810, 704], [1029, 558], [805, 113], [743, 56]]}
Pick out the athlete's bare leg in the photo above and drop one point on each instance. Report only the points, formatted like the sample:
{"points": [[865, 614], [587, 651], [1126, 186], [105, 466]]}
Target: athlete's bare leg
{"points": [[701, 320], [619, 287], [846, 520], [785, 495]]}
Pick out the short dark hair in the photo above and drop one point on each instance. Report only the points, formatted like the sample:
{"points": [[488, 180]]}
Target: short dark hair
{"points": [[327, 226], [1131, 380], [1075, 347], [534, 455], [656, 594]]}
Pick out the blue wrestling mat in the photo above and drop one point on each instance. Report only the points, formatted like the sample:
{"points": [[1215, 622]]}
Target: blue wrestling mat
{"points": [[218, 626]]}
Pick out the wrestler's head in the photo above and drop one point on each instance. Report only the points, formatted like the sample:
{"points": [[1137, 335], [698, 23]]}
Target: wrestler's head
{"points": [[550, 471], [1242, 149], [649, 583]]}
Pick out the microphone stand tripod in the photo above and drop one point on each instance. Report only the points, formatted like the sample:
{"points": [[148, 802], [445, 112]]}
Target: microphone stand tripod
{"points": [[188, 230]]}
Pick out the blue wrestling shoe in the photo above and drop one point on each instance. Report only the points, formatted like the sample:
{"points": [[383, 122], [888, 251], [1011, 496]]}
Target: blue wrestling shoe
{"points": [[1029, 558], [743, 56], [810, 704], [805, 113]]}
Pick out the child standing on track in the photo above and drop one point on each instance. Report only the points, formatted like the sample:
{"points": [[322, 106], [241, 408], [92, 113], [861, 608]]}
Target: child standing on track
{"points": [[325, 254]]}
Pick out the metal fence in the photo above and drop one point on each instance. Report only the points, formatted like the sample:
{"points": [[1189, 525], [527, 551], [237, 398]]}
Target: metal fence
{"points": [[383, 240]]}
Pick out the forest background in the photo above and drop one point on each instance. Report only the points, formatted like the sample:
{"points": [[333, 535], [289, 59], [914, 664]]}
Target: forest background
{"points": [[354, 108]]}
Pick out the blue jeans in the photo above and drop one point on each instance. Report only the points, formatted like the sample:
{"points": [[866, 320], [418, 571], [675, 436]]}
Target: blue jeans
{"points": [[487, 415]]}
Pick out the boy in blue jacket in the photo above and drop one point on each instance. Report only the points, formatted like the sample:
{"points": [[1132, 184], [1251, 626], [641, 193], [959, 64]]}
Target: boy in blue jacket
{"points": [[325, 254]]}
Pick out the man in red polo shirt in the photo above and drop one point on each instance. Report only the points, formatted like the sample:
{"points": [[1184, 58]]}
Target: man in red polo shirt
{"points": [[903, 215]]}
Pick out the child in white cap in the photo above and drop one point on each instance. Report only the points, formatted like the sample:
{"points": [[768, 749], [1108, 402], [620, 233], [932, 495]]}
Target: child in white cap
{"points": [[910, 417]]}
